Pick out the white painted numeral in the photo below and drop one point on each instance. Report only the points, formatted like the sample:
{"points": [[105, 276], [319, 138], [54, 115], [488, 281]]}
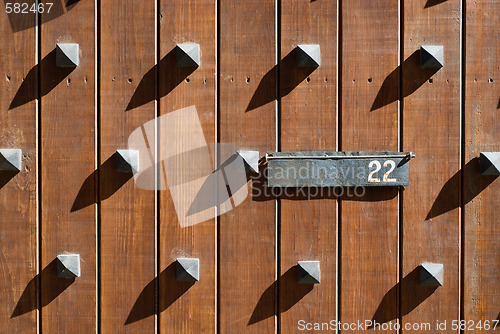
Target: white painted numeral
{"points": [[377, 168], [386, 175]]}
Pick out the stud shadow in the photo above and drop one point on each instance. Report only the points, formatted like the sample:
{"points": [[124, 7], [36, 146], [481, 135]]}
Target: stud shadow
{"points": [[431, 3], [53, 286], [291, 76], [498, 106], [448, 198], [110, 181], [211, 194], [291, 293], [26, 18], [6, 176], [170, 77], [412, 295], [51, 76], [413, 78], [170, 290]]}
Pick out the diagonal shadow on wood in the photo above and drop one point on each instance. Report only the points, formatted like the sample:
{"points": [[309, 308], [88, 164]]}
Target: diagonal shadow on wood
{"points": [[413, 78], [449, 196], [209, 194], [170, 77], [412, 295], [55, 286], [291, 76], [51, 76], [170, 289], [26, 16], [291, 293], [110, 181], [431, 3], [498, 106]]}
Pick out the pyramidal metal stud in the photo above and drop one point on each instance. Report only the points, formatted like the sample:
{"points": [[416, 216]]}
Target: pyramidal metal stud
{"points": [[188, 269], [188, 55], [309, 272], [68, 265], [489, 163], [308, 55], [11, 159], [431, 56], [251, 159], [431, 274], [67, 55], [127, 161]]}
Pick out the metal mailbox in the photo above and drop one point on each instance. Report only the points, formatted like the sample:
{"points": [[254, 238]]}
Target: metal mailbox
{"points": [[337, 169]]}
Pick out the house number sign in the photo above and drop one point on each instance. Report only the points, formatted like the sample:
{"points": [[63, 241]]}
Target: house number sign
{"points": [[337, 169]]}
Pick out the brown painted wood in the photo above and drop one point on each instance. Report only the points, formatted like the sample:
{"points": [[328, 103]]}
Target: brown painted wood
{"points": [[241, 289], [480, 198], [431, 129], [18, 197], [308, 121], [127, 212], [67, 159], [369, 224], [247, 247], [186, 307]]}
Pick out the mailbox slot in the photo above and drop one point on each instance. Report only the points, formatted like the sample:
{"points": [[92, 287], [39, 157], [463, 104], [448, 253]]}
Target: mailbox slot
{"points": [[337, 169]]}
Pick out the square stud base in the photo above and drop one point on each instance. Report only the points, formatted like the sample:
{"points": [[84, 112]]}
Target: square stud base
{"points": [[10, 159], [67, 55], [489, 163], [188, 55], [68, 265], [308, 55], [188, 269], [309, 272], [431, 56], [431, 274], [127, 161]]}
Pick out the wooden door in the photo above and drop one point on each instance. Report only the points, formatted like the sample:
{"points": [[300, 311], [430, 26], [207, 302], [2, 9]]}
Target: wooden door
{"points": [[246, 93]]}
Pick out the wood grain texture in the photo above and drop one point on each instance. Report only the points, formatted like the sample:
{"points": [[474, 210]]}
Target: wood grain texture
{"points": [[370, 247], [67, 159], [186, 307], [370, 114], [247, 246], [431, 129], [18, 198], [127, 212], [480, 198], [308, 122]]}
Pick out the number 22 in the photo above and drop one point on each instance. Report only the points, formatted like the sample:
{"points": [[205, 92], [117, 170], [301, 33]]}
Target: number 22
{"points": [[378, 166]]}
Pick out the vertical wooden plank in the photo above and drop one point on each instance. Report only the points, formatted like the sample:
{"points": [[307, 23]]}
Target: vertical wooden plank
{"points": [[18, 200], [186, 307], [308, 121], [482, 208], [369, 224], [68, 158], [431, 129], [247, 234], [127, 213]]}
